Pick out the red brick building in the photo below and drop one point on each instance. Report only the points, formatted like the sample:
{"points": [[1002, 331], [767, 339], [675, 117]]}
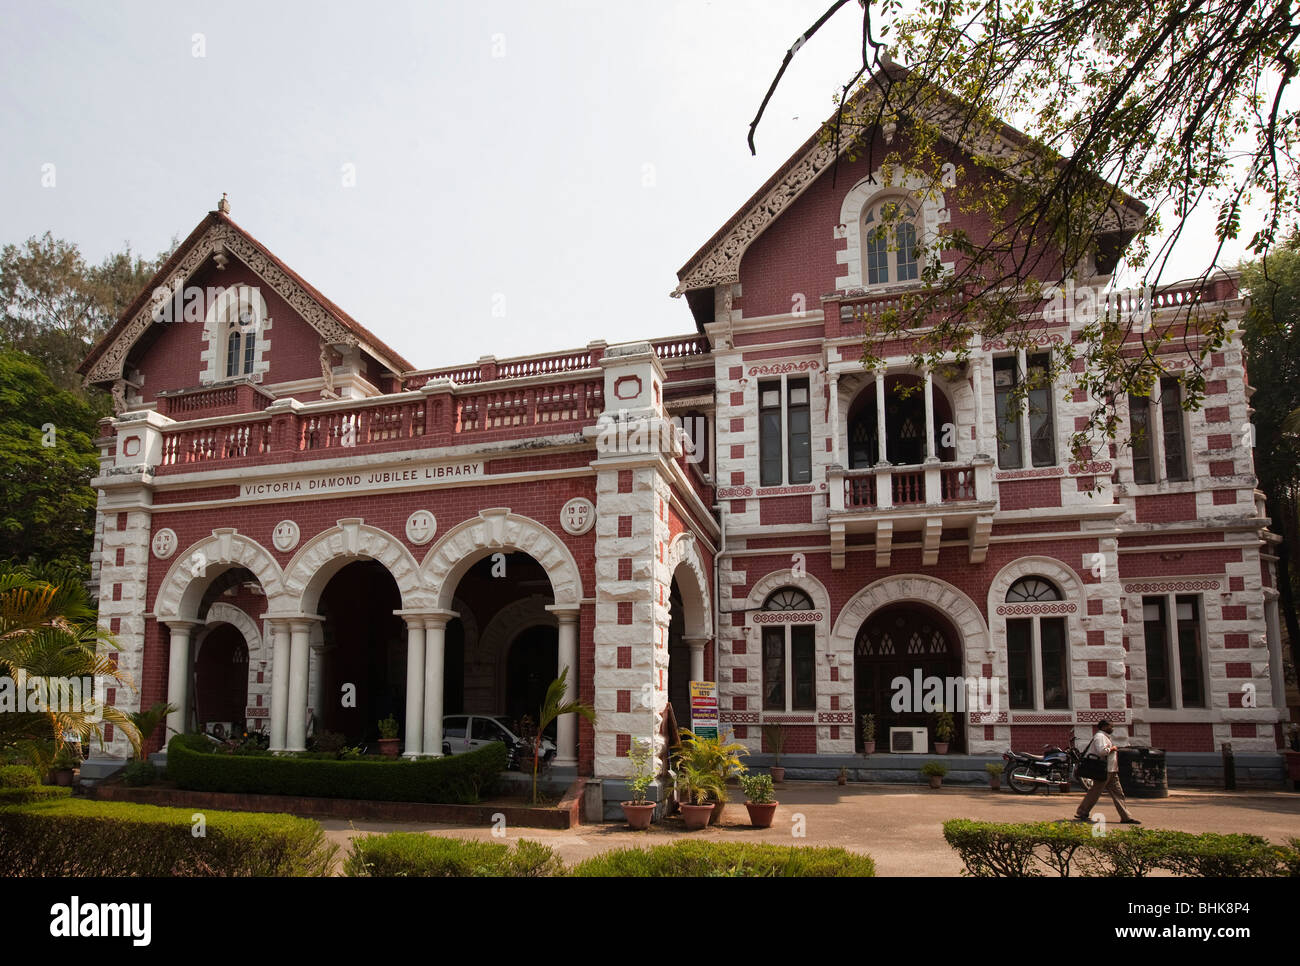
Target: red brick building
{"points": [[299, 529]]}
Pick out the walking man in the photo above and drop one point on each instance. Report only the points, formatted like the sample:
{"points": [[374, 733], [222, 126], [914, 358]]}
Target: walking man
{"points": [[1103, 747]]}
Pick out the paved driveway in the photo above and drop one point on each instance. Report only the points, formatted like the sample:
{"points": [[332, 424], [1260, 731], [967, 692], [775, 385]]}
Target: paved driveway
{"points": [[899, 826]]}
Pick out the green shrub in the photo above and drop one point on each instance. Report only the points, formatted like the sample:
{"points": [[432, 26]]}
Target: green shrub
{"points": [[32, 793], [139, 773], [18, 776], [76, 837], [458, 779], [415, 854], [731, 859], [934, 769], [1004, 850]]}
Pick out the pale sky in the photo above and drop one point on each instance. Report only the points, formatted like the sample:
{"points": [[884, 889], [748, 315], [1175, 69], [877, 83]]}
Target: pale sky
{"points": [[558, 161]]}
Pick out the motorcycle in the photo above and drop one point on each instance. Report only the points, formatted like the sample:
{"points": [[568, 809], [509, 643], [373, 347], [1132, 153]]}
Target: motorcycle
{"points": [[1027, 773]]}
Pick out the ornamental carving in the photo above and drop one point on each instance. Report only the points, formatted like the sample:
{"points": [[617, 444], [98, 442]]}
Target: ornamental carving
{"points": [[1046, 607], [835, 717], [778, 368], [577, 516], [164, 543], [788, 617], [1171, 586], [221, 237], [1041, 341], [1115, 716], [1036, 474], [1090, 468]]}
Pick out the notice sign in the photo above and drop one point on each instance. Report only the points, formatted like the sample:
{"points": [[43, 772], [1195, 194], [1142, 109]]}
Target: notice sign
{"points": [[704, 709], [360, 481]]}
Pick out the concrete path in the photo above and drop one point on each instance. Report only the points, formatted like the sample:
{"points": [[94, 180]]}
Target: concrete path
{"points": [[899, 826]]}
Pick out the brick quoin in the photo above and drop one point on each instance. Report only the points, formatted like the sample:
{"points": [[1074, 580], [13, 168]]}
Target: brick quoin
{"points": [[1176, 736], [1234, 613], [1237, 669], [1218, 441], [1222, 467]]}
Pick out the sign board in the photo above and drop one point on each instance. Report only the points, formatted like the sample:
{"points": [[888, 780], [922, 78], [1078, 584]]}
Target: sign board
{"points": [[704, 709], [408, 477]]}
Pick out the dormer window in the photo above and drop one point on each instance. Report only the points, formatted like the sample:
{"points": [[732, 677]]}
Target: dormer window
{"points": [[241, 320], [889, 243]]}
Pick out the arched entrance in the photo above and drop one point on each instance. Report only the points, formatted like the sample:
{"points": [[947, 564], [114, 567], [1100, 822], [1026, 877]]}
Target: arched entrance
{"points": [[363, 658], [530, 669], [221, 680], [679, 659], [905, 439], [914, 642]]}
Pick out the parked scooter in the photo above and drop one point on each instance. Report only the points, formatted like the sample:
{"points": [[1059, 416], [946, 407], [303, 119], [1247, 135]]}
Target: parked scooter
{"points": [[1027, 773]]}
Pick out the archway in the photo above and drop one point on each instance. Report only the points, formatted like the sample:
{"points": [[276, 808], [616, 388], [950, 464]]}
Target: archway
{"points": [[911, 645], [905, 415], [529, 671], [363, 658], [221, 680]]}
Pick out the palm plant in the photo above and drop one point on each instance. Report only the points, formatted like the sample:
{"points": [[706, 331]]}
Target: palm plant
{"points": [[718, 757], [48, 631], [552, 708], [147, 722]]}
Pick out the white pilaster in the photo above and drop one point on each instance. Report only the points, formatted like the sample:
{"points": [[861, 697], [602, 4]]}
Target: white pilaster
{"points": [[279, 683], [178, 677], [566, 725]]}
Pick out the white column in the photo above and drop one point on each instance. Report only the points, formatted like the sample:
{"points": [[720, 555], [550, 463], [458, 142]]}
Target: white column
{"points": [[977, 388], [414, 686], [697, 645], [178, 678], [1277, 681], [930, 456], [300, 639], [833, 381], [882, 451], [566, 726], [279, 683], [435, 636]]}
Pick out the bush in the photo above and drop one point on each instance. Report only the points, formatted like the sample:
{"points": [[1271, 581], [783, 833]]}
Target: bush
{"points": [[1004, 850], [32, 793], [139, 773], [430, 856], [18, 776], [934, 769], [459, 779], [732, 859], [76, 837]]}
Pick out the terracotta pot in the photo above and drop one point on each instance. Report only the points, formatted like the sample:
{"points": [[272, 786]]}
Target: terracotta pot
{"points": [[778, 774], [868, 747], [1293, 768], [760, 816], [936, 781], [389, 747], [716, 817], [696, 816], [995, 782], [841, 779], [941, 747], [63, 776], [639, 815]]}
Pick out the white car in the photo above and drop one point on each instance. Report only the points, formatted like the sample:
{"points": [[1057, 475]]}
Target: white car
{"points": [[466, 732]]}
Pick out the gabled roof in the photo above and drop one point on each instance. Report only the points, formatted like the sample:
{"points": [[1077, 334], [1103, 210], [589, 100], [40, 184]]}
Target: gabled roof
{"points": [[218, 233], [718, 260]]}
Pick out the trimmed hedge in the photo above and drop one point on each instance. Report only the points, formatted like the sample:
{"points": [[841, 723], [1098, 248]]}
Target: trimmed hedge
{"points": [[75, 837], [734, 859], [417, 854], [18, 776], [32, 793], [456, 780], [1008, 850], [429, 856]]}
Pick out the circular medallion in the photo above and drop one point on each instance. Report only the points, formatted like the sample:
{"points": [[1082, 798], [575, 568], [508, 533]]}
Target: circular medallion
{"points": [[285, 536], [164, 543], [577, 516], [421, 526]]}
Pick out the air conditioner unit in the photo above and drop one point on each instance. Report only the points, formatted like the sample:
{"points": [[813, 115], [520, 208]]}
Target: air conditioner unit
{"points": [[909, 741]]}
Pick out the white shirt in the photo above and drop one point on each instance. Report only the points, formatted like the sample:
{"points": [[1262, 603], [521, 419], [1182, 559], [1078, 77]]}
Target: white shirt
{"points": [[1102, 746]]}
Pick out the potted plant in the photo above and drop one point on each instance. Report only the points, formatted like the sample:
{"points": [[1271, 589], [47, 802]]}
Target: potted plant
{"points": [[65, 760], [638, 812], [718, 757], [1292, 755], [868, 734], [388, 743], [843, 777], [934, 770], [699, 786], [994, 768], [760, 800], [774, 735], [944, 730]]}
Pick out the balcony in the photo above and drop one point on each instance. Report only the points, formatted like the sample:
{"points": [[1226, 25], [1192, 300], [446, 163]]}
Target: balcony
{"points": [[931, 498]]}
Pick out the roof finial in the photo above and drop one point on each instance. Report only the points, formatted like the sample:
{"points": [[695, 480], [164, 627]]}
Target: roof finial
{"points": [[223, 205]]}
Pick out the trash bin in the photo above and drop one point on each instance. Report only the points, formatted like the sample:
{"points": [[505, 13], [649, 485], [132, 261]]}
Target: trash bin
{"points": [[1142, 773]]}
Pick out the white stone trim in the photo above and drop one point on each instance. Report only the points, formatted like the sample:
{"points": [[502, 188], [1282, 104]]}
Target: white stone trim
{"points": [[216, 332], [193, 571], [958, 608], [331, 550], [697, 606], [867, 193], [498, 530]]}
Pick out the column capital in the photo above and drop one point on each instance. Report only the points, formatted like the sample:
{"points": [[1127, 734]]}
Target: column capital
{"points": [[697, 641], [565, 613], [182, 625], [289, 621], [427, 618]]}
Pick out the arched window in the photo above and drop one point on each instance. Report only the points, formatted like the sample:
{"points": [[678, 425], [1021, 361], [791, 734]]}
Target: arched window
{"points": [[1038, 662], [240, 319], [890, 243], [789, 655]]}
